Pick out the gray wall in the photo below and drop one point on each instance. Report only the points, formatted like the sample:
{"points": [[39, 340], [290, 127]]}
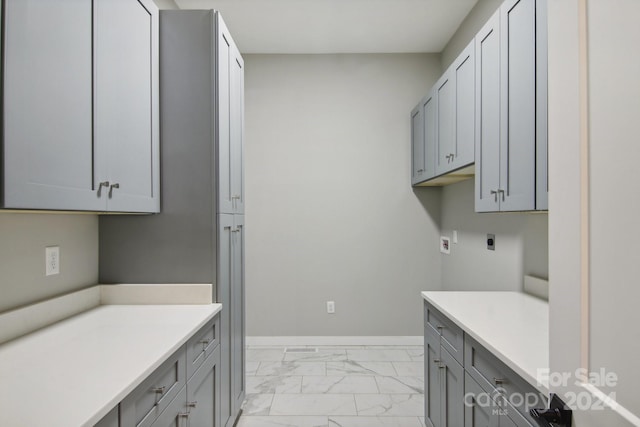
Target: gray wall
{"points": [[22, 247], [521, 244], [474, 21], [330, 212]]}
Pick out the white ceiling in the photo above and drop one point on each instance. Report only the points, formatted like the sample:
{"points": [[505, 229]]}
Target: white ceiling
{"points": [[338, 26]]}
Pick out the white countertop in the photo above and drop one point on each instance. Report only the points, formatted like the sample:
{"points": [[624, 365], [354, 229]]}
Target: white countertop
{"points": [[511, 325], [73, 372]]}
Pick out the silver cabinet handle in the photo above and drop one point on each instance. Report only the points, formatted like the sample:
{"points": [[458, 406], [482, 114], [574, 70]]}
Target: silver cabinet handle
{"points": [[191, 404], [495, 195], [501, 192], [499, 381], [420, 170], [235, 230], [111, 187], [436, 361], [205, 342], [159, 390], [440, 328], [100, 185]]}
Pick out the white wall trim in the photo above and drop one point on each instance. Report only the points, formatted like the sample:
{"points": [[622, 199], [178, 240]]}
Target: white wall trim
{"points": [[290, 341]]}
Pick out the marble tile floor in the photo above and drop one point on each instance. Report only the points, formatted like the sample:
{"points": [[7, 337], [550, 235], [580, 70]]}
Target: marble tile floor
{"points": [[349, 386]]}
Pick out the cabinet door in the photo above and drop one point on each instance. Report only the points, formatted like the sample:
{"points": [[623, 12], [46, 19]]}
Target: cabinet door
{"points": [[487, 180], [542, 69], [47, 138], [417, 145], [518, 105], [223, 290], [236, 130], [237, 316], [445, 119], [126, 103], [112, 419], [479, 410], [465, 73], [452, 391], [203, 393], [432, 394], [430, 134], [224, 47]]}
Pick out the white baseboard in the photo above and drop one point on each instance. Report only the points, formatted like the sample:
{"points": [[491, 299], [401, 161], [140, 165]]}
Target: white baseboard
{"points": [[292, 341]]}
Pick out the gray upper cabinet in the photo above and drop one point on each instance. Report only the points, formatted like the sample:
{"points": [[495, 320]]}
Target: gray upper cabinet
{"points": [[429, 134], [456, 114], [80, 105], [487, 179], [126, 104], [230, 123], [511, 98], [464, 71], [446, 142], [423, 139], [445, 121], [417, 145], [47, 82], [518, 105]]}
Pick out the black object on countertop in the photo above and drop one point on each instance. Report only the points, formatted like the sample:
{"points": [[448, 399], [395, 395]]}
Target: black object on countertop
{"points": [[557, 415]]}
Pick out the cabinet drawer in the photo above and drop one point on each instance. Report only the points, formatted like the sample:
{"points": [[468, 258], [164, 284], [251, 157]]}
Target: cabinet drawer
{"points": [[176, 412], [149, 399], [452, 338], [501, 382], [202, 344]]}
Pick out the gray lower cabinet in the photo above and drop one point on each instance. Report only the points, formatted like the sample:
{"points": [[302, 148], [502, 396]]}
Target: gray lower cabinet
{"points": [[444, 380], [112, 419], [197, 404], [511, 101], [231, 294], [474, 390], [184, 391], [80, 105], [479, 408]]}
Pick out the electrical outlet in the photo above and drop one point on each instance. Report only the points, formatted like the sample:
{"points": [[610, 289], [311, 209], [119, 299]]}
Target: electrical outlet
{"points": [[52, 260], [445, 245], [331, 307]]}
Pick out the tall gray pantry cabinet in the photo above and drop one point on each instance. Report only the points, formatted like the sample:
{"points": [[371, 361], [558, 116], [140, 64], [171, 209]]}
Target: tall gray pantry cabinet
{"points": [[199, 235]]}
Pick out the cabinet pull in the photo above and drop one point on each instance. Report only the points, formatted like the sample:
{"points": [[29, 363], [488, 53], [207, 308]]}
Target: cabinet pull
{"points": [[420, 170], [235, 230], [191, 404], [501, 192], [205, 342], [436, 360], [499, 381], [111, 187], [102, 184], [440, 328], [495, 195], [159, 390]]}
